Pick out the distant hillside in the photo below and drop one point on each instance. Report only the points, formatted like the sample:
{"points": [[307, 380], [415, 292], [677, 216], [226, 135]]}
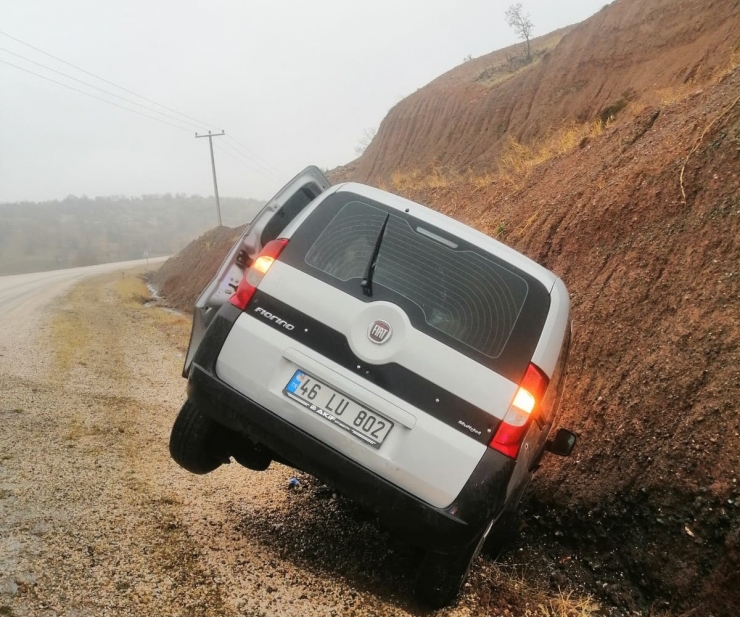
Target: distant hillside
{"points": [[78, 231], [631, 51]]}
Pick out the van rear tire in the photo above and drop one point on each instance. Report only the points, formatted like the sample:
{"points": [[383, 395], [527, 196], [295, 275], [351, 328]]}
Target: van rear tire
{"points": [[441, 576], [196, 441], [502, 535]]}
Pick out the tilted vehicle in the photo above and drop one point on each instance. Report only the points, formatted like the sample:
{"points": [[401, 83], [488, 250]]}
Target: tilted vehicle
{"points": [[400, 356]]}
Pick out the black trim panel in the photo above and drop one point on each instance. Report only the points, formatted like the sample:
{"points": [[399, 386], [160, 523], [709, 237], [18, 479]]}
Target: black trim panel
{"points": [[394, 378]]}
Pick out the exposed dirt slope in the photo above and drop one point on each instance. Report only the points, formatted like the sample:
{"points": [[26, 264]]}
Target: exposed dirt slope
{"points": [[183, 277], [630, 50]]}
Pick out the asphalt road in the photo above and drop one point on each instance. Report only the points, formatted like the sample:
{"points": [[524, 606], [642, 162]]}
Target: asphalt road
{"points": [[17, 289]]}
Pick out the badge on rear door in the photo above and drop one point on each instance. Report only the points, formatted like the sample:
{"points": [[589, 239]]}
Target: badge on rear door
{"points": [[379, 332]]}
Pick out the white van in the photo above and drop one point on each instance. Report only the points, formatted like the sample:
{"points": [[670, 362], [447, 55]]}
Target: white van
{"points": [[406, 359]]}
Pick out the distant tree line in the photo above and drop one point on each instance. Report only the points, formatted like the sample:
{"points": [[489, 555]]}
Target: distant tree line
{"points": [[80, 231]]}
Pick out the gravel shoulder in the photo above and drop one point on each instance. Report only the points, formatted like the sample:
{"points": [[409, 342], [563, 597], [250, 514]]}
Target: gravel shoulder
{"points": [[95, 518]]}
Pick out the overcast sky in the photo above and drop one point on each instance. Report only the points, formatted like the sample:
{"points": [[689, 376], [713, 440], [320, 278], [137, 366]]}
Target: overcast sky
{"points": [[293, 82]]}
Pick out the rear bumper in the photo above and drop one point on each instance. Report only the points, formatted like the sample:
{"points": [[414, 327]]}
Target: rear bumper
{"points": [[438, 529]]}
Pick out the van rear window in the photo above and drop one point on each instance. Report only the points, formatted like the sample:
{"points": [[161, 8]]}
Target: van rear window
{"points": [[461, 293], [452, 290]]}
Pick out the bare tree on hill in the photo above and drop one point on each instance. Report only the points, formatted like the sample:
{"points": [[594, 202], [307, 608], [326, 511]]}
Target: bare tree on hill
{"points": [[521, 23], [367, 136]]}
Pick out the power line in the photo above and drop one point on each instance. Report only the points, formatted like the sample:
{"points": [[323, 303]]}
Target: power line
{"points": [[257, 156], [264, 167], [238, 159], [255, 164], [96, 97], [200, 122], [247, 163], [156, 111]]}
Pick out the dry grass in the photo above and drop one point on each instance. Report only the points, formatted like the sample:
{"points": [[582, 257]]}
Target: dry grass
{"points": [[567, 604], [70, 338], [504, 64], [518, 160], [535, 601], [134, 293], [734, 61], [132, 289], [416, 180], [175, 326]]}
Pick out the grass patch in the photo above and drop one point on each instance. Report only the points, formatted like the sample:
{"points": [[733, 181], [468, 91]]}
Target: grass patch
{"points": [[518, 160], [174, 326], [416, 180], [132, 289], [79, 428], [510, 62], [70, 338], [535, 601]]}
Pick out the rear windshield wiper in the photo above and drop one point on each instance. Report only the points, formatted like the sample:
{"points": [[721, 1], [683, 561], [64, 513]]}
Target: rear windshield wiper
{"points": [[367, 282]]}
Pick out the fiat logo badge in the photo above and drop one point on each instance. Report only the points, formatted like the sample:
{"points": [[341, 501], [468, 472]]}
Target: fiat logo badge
{"points": [[379, 332]]}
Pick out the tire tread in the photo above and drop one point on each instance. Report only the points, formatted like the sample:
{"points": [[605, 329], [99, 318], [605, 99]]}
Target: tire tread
{"points": [[192, 440]]}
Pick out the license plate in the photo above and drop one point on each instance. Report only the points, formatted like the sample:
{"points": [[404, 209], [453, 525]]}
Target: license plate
{"points": [[338, 409]]}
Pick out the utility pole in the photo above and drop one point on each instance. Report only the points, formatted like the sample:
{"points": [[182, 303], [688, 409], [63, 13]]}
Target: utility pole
{"points": [[213, 167]]}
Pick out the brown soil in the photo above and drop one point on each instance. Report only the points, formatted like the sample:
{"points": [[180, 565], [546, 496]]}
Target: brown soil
{"points": [[183, 277], [642, 221]]}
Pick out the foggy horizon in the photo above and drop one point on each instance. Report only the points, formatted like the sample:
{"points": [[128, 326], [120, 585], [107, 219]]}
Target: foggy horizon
{"points": [[291, 86]]}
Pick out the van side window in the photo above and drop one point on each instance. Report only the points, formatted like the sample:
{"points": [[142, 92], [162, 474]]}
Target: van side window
{"points": [[291, 209]]}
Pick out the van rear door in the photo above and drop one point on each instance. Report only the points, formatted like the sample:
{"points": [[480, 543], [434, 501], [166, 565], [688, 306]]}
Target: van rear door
{"points": [[267, 225]]}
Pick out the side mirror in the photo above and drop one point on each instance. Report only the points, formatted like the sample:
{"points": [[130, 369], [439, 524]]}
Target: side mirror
{"points": [[562, 444]]}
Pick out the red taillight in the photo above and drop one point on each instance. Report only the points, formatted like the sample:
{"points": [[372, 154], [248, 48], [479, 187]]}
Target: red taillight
{"points": [[513, 428], [252, 277]]}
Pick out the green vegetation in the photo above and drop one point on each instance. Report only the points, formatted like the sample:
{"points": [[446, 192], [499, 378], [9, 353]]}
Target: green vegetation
{"points": [[79, 231]]}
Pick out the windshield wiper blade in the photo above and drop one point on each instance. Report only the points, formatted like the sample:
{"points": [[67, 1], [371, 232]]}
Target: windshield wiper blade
{"points": [[367, 282]]}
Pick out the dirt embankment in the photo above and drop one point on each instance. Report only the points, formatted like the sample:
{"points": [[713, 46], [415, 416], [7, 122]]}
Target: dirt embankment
{"points": [[632, 50], [185, 275]]}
